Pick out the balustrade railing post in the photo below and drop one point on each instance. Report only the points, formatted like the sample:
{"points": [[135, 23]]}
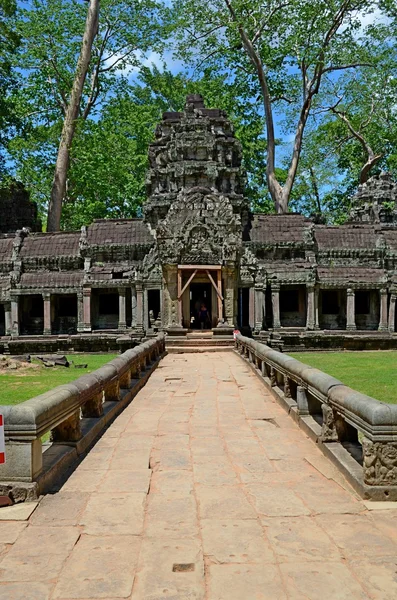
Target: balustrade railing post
{"points": [[93, 407], [69, 430], [301, 400]]}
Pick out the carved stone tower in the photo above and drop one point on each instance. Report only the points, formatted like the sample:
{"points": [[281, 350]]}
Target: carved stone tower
{"points": [[376, 201], [196, 208]]}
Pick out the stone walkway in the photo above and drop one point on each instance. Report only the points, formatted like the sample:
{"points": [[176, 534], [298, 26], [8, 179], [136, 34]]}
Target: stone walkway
{"points": [[237, 505]]}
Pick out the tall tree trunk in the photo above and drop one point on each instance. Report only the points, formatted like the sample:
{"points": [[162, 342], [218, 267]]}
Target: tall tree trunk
{"points": [[69, 124]]}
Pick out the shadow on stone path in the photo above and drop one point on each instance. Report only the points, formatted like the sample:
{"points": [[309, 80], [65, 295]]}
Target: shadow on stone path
{"points": [[202, 489]]}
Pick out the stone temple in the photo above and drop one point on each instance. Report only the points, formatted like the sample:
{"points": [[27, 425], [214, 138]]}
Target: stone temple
{"points": [[282, 278]]}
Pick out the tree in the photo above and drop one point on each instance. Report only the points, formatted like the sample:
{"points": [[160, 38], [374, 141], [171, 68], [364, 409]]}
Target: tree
{"points": [[51, 32], [284, 49], [69, 124], [9, 41]]}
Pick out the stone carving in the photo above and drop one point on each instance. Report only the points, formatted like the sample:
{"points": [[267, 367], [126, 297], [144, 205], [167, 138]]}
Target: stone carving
{"points": [[379, 462], [328, 431], [376, 200]]}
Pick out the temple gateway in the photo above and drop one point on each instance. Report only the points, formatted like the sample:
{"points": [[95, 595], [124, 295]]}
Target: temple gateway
{"points": [[280, 277]]}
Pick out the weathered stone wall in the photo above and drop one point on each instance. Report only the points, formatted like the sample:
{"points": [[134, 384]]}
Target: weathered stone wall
{"points": [[17, 210]]}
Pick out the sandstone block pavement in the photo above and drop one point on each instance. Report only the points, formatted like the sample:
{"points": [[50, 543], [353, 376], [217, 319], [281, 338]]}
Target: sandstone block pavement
{"points": [[202, 489]]}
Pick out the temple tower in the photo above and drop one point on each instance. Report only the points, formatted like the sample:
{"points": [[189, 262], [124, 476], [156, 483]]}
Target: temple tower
{"points": [[197, 212]]}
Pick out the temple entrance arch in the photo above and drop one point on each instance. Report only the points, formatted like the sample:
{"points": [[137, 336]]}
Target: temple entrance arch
{"points": [[199, 285]]}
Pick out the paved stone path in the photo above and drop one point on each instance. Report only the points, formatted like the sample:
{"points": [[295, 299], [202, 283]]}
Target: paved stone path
{"points": [[237, 505]]}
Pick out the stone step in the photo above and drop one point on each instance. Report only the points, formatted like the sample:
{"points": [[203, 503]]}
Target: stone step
{"points": [[227, 341], [198, 348]]}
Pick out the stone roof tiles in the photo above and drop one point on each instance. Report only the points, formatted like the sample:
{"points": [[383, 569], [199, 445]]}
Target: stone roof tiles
{"points": [[351, 274], [51, 244], [6, 248], [278, 229], [52, 279], [119, 232], [346, 236]]}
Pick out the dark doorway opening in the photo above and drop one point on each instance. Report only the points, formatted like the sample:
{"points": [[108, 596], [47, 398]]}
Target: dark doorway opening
{"points": [[244, 310], [153, 301], [200, 296], [64, 314], [32, 314]]}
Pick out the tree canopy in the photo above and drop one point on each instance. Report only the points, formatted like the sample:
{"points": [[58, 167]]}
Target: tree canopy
{"points": [[309, 86]]}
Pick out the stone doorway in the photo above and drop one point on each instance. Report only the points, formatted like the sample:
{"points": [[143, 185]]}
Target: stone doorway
{"points": [[199, 285], [200, 294], [31, 314]]}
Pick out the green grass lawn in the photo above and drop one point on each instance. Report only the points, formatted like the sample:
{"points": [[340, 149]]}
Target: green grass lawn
{"points": [[22, 384], [372, 373]]}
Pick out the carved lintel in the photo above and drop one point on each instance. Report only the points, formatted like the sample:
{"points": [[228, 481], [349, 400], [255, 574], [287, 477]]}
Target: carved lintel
{"points": [[379, 462], [69, 430], [328, 431]]}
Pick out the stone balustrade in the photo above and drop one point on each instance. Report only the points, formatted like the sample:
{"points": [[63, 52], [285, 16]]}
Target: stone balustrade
{"points": [[357, 432], [74, 414]]}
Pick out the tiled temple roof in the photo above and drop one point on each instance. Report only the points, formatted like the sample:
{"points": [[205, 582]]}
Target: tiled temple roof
{"points": [[52, 279], [119, 232], [278, 229], [345, 236], [6, 248], [351, 275], [50, 244]]}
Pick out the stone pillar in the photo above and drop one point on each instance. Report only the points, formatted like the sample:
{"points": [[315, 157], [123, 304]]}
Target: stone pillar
{"points": [[47, 313], [15, 316], [350, 310], [392, 313], [276, 306], [259, 308], [310, 316], [316, 300], [251, 314], [145, 309], [383, 321], [122, 318], [230, 315], [139, 306], [80, 311], [8, 319], [87, 309], [133, 306]]}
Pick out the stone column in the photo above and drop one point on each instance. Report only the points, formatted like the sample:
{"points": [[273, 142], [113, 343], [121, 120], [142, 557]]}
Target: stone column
{"points": [[310, 314], [47, 313], [8, 319], [251, 307], [230, 296], [80, 312], [15, 315], [139, 306], [87, 309], [133, 306], [145, 309], [276, 306], [392, 313], [350, 310], [259, 308], [316, 318], [122, 318], [383, 321]]}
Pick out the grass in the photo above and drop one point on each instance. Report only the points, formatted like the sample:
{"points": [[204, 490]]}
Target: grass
{"points": [[22, 384], [371, 373]]}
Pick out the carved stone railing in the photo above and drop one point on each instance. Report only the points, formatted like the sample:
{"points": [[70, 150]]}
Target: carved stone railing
{"points": [[74, 414], [356, 431]]}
